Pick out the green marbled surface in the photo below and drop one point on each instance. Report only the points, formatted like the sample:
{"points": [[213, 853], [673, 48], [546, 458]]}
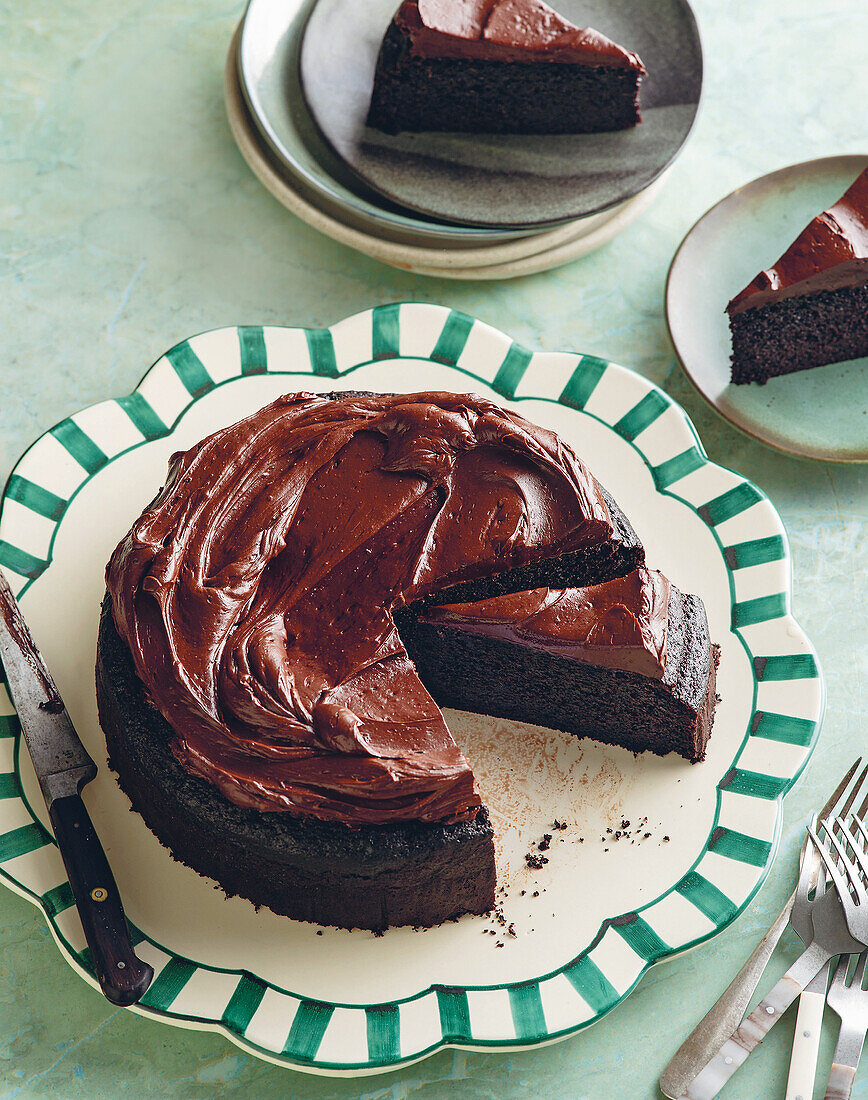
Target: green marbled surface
{"points": [[128, 221]]}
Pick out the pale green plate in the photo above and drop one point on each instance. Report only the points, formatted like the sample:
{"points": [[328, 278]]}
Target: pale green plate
{"points": [[349, 1002], [820, 414]]}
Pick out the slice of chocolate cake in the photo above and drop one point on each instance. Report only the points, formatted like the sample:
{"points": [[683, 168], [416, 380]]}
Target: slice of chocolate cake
{"points": [[628, 662], [500, 66], [254, 676], [811, 307]]}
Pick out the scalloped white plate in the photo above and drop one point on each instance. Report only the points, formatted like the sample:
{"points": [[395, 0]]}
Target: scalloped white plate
{"points": [[349, 1002]]}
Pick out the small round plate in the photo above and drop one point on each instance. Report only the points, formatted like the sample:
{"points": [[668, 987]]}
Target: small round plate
{"points": [[591, 922], [504, 260], [516, 180], [819, 413], [269, 78]]}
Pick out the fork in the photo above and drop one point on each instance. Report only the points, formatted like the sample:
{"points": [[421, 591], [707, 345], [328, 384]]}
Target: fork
{"points": [[809, 1020], [839, 926], [850, 1001]]}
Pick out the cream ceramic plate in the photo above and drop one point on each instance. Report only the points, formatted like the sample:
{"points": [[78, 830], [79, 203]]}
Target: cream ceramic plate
{"points": [[350, 1002]]}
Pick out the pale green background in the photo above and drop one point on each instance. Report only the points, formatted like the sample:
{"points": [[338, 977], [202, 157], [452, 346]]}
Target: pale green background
{"points": [[129, 221]]}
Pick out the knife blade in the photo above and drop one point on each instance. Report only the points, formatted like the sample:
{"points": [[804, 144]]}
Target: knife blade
{"points": [[63, 766]]}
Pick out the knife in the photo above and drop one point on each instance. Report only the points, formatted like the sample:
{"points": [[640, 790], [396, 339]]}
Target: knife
{"points": [[63, 767]]}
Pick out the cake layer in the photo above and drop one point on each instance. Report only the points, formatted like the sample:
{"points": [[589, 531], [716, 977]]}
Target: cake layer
{"points": [[468, 97], [256, 592], [810, 307]]}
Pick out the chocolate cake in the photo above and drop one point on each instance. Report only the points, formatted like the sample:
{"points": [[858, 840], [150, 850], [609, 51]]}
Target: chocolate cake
{"points": [[500, 66], [811, 307], [255, 672]]}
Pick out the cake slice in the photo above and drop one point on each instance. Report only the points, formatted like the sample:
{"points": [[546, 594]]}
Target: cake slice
{"points": [[628, 662], [500, 66], [811, 306]]}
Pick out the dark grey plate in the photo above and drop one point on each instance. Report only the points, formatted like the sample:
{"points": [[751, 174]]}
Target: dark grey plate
{"points": [[515, 180]]}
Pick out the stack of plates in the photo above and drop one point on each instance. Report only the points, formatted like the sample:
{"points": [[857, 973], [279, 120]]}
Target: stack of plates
{"points": [[298, 79]]}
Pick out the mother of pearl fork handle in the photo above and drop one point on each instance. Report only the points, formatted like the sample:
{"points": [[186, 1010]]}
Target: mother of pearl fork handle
{"points": [[725, 1014], [806, 1040], [708, 1083]]}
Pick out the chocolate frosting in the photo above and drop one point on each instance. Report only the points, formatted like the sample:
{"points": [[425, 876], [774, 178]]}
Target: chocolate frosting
{"points": [[830, 253], [619, 624], [255, 593], [505, 30]]}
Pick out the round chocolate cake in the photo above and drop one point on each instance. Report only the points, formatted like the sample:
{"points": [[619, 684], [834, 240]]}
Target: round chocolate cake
{"points": [[255, 669]]}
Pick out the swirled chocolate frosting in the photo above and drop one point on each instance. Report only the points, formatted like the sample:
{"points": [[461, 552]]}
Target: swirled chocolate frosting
{"points": [[619, 624], [505, 30], [830, 253], [256, 592]]}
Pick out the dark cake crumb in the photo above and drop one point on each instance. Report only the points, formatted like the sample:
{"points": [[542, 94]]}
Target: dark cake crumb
{"points": [[535, 862]]}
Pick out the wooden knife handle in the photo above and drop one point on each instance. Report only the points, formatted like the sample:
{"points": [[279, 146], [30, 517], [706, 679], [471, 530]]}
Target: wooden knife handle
{"points": [[122, 976]]}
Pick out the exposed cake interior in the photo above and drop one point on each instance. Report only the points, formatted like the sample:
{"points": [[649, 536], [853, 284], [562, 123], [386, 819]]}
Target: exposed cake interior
{"points": [[811, 306]]}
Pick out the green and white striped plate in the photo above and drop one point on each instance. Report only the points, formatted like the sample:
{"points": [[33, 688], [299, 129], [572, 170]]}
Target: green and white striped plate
{"points": [[335, 1002]]}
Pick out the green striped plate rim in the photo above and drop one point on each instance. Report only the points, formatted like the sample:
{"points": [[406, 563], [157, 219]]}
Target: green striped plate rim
{"points": [[322, 1037]]}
